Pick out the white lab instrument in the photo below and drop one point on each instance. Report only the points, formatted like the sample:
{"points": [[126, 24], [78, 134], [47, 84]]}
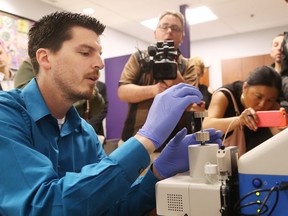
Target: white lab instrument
{"points": [[202, 191], [263, 178]]}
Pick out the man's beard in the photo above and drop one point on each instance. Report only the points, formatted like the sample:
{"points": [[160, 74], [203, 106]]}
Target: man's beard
{"points": [[70, 94], [76, 95]]}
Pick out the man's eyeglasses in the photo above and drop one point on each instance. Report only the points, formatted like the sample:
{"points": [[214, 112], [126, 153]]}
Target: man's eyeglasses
{"points": [[174, 28]]}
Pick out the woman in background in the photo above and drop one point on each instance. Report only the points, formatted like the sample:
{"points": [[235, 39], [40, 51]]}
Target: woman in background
{"points": [[259, 92], [6, 73], [206, 91]]}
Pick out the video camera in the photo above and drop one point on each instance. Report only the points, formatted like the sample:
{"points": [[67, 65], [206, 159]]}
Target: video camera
{"points": [[164, 65]]}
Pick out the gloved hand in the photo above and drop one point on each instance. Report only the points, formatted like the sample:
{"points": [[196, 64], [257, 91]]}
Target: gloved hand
{"points": [[166, 111], [174, 157]]}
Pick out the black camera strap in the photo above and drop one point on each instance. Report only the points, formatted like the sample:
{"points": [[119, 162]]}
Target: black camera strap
{"points": [[144, 63], [182, 67]]}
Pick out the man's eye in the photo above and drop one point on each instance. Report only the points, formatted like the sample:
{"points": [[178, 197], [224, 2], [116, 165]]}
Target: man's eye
{"points": [[84, 53]]}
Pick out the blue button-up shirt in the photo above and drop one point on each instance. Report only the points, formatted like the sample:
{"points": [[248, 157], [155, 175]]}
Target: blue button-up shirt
{"points": [[48, 171]]}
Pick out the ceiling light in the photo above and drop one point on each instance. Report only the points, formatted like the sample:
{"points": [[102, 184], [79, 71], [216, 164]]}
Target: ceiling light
{"points": [[88, 11], [193, 15], [199, 15], [151, 23]]}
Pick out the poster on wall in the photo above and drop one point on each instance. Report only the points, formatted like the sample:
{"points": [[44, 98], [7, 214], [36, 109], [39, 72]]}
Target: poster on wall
{"points": [[14, 33]]}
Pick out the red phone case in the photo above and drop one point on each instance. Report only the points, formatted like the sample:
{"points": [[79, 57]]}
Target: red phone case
{"points": [[272, 118]]}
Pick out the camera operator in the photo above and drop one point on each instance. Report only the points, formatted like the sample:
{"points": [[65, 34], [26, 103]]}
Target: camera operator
{"points": [[138, 85]]}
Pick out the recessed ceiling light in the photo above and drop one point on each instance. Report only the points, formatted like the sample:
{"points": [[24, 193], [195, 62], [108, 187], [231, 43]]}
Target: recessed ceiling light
{"points": [[200, 15], [193, 15], [151, 23], [88, 11]]}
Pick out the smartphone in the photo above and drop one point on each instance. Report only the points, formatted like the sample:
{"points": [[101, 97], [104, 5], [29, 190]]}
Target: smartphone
{"points": [[272, 118]]}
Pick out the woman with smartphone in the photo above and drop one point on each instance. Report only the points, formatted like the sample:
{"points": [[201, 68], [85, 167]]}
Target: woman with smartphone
{"points": [[260, 92]]}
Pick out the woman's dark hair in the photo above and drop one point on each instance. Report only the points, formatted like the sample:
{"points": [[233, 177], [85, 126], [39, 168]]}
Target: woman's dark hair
{"points": [[265, 75]]}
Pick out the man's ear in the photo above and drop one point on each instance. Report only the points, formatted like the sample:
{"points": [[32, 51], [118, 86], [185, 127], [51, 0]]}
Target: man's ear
{"points": [[42, 58]]}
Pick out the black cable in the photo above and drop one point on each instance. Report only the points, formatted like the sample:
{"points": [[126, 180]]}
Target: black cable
{"points": [[254, 203], [275, 203], [266, 199], [282, 186], [237, 206]]}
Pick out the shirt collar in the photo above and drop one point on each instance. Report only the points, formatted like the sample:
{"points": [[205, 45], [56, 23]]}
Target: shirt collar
{"points": [[35, 104], [37, 108]]}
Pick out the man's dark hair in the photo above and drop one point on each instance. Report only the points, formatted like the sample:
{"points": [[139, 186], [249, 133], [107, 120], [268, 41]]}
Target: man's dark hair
{"points": [[52, 30], [284, 56]]}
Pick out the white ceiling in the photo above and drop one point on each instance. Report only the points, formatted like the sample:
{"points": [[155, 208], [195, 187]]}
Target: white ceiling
{"points": [[235, 16]]}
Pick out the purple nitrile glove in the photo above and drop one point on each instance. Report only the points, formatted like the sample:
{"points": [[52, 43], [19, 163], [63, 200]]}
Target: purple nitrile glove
{"points": [[174, 157], [166, 111]]}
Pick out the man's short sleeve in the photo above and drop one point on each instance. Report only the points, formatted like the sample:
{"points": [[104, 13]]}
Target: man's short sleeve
{"points": [[131, 71]]}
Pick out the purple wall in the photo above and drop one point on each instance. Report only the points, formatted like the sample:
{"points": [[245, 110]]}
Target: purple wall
{"points": [[117, 109], [185, 46]]}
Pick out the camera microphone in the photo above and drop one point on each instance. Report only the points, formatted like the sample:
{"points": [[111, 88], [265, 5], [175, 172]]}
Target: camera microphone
{"points": [[152, 50]]}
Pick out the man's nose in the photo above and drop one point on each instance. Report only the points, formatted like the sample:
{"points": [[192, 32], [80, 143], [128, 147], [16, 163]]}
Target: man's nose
{"points": [[99, 64]]}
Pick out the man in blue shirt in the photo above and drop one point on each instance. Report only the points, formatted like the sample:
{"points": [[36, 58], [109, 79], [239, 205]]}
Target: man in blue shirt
{"points": [[52, 162]]}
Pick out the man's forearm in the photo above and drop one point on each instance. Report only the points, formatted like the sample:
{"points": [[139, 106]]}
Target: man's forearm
{"points": [[132, 93]]}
